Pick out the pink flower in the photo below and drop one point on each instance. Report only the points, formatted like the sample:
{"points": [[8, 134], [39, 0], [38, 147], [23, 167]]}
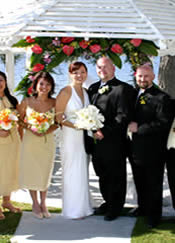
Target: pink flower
{"points": [[47, 58], [56, 42], [34, 129], [84, 44], [67, 39], [116, 48], [37, 49], [95, 48], [68, 50], [136, 42], [30, 90], [38, 67], [29, 39], [31, 77]]}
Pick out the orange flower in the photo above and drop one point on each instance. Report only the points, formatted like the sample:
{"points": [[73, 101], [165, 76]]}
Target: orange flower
{"points": [[41, 119]]}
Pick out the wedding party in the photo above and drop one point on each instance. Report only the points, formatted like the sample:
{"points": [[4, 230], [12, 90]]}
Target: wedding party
{"points": [[87, 121]]}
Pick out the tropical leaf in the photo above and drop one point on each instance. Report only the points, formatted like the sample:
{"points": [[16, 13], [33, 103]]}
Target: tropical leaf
{"points": [[115, 59], [25, 82], [22, 43], [148, 49], [59, 58], [36, 58], [104, 43]]}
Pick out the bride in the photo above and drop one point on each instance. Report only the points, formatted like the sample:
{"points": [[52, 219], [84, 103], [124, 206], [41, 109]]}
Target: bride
{"points": [[76, 199]]}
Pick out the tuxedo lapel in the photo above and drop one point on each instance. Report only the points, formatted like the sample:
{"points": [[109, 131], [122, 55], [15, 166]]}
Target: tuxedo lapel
{"points": [[96, 94], [114, 81]]}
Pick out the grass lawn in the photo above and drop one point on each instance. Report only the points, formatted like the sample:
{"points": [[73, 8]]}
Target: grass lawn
{"points": [[164, 233]]}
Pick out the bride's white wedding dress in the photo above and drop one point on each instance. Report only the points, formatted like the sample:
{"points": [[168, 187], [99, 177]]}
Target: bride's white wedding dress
{"points": [[75, 189]]}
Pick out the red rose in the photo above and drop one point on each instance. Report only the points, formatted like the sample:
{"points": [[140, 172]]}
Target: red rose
{"points": [[116, 48], [38, 67], [67, 39], [136, 42], [84, 44], [29, 39], [95, 48], [30, 90], [68, 50], [37, 49]]}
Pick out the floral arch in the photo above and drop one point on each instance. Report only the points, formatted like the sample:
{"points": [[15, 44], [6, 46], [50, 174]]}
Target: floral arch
{"points": [[49, 52]]}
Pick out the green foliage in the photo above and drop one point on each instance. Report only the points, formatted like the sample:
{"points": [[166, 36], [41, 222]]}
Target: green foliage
{"points": [[164, 233], [148, 49], [115, 59]]}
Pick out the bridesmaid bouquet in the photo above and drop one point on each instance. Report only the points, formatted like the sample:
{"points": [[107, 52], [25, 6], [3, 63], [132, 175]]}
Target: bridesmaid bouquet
{"points": [[8, 118], [89, 118], [39, 122]]}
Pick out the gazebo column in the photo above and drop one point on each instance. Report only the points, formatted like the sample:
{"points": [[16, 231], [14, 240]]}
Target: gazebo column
{"points": [[10, 69]]}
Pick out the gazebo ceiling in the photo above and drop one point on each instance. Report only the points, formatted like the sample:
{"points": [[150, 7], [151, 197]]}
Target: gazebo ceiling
{"points": [[145, 19]]}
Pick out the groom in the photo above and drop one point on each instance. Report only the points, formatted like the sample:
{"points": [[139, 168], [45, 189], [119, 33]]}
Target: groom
{"points": [[115, 101]]}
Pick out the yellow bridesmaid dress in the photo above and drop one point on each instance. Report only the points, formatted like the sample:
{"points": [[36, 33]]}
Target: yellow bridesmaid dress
{"points": [[36, 161], [9, 157]]}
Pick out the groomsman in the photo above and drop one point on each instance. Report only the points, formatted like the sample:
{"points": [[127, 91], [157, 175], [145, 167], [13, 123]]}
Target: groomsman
{"points": [[153, 117], [114, 98]]}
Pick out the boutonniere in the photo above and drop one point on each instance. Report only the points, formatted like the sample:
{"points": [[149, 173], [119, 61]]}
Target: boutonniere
{"points": [[104, 89], [143, 99]]}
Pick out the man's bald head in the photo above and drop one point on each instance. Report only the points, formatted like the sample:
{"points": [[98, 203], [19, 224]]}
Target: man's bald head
{"points": [[105, 69]]}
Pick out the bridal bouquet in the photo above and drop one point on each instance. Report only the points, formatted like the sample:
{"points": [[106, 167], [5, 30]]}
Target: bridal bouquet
{"points": [[89, 118], [39, 122], [8, 118]]}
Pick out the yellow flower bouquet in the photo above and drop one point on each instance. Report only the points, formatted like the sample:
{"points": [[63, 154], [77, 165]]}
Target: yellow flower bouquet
{"points": [[8, 118], [39, 122]]}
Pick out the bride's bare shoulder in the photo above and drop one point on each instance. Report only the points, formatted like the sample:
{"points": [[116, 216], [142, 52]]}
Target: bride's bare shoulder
{"points": [[65, 91]]}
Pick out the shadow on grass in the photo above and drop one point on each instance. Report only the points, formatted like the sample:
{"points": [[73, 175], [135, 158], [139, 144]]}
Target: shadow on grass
{"points": [[163, 233], [8, 226]]}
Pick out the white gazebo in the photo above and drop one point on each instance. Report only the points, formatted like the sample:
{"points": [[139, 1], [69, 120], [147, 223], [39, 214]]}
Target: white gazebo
{"points": [[144, 19]]}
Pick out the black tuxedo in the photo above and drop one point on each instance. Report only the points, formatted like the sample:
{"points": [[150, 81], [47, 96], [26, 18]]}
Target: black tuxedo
{"points": [[109, 154], [153, 113]]}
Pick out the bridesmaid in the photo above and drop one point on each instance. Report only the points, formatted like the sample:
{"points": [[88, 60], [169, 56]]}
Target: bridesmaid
{"points": [[38, 149], [9, 151]]}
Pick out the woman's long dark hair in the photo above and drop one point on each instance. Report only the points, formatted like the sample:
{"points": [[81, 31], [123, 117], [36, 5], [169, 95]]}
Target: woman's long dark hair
{"points": [[11, 98], [46, 76]]}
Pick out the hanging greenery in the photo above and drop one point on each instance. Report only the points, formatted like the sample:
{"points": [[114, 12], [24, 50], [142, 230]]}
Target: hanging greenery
{"points": [[49, 52]]}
